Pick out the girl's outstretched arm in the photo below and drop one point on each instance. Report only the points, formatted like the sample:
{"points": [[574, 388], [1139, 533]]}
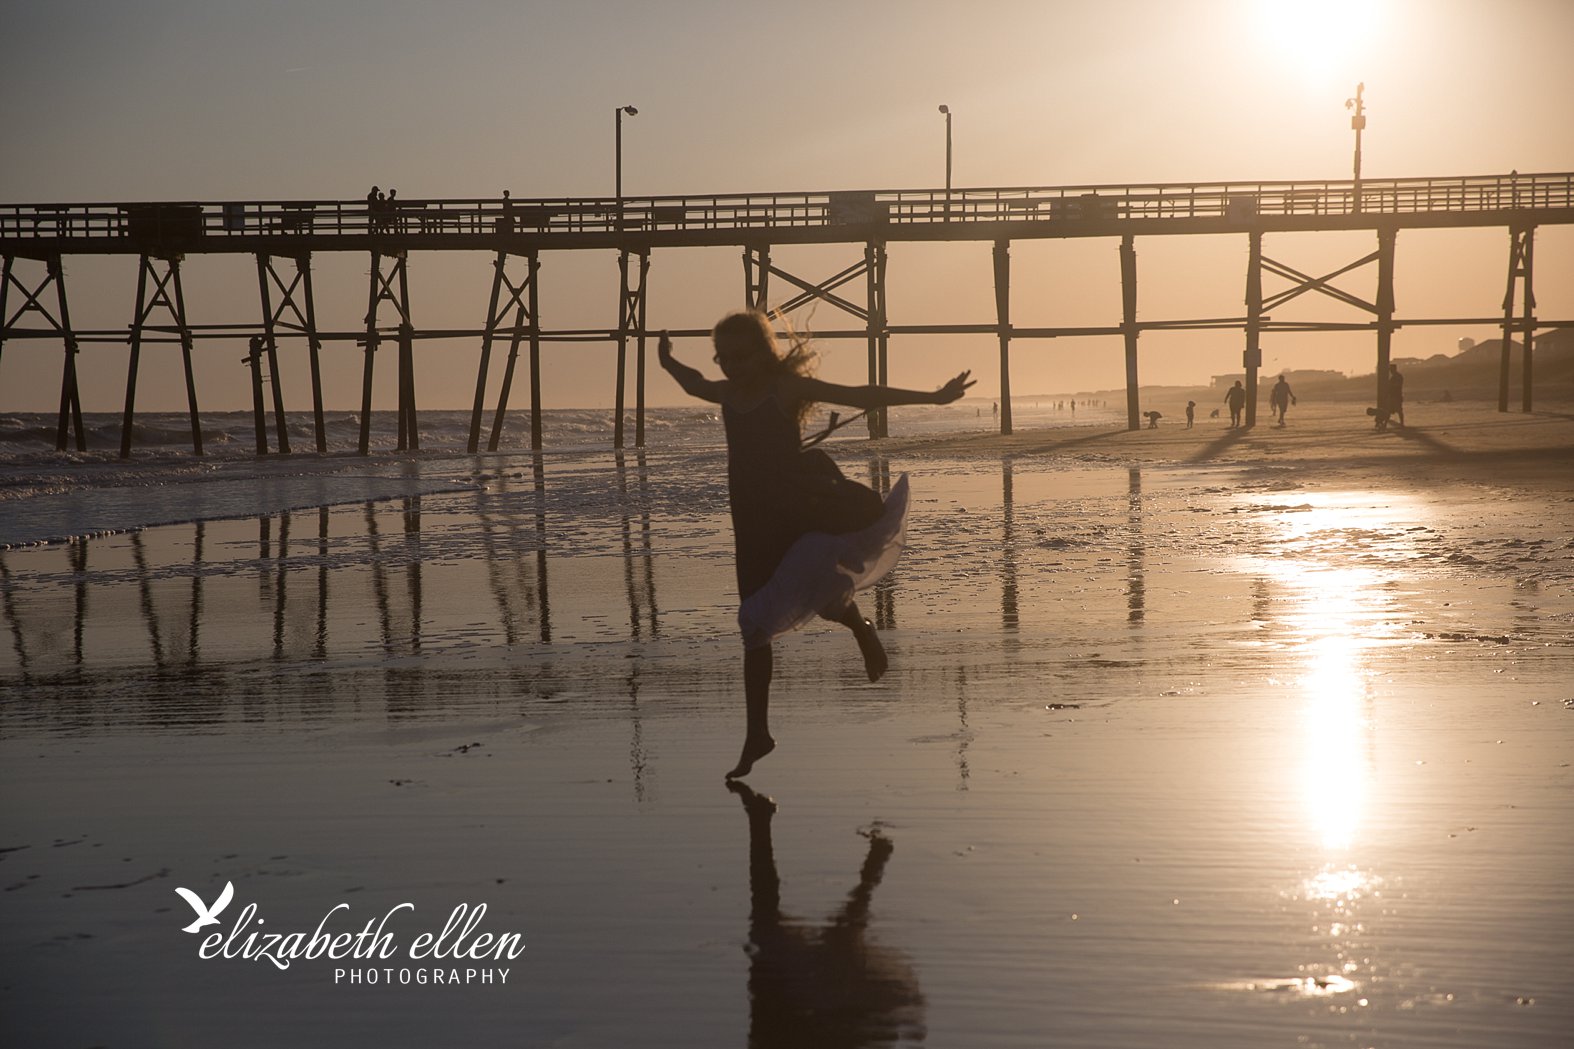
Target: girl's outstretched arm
{"points": [[809, 389], [694, 384]]}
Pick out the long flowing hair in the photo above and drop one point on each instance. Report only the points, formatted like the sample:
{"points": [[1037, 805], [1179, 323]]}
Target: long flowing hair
{"points": [[752, 331]]}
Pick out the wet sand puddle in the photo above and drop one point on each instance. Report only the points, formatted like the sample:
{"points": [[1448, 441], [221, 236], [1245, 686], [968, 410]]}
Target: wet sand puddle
{"points": [[1167, 756]]}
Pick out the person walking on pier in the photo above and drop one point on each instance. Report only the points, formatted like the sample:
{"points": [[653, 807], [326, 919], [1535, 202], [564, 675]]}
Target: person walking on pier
{"points": [[1281, 398], [805, 538], [1235, 397]]}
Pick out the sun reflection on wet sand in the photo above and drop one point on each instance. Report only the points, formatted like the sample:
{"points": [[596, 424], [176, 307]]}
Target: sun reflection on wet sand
{"points": [[1336, 770], [1330, 602]]}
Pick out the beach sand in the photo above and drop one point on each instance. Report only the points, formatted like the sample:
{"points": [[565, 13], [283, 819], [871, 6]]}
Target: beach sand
{"points": [[1190, 738]]}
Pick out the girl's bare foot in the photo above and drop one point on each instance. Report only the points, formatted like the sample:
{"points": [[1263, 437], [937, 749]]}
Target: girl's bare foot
{"points": [[753, 750], [875, 662]]}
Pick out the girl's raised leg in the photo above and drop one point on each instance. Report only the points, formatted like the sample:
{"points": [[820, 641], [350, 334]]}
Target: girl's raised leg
{"points": [[875, 661]]}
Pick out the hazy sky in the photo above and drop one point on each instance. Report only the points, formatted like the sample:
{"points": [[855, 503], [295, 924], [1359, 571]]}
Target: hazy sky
{"points": [[209, 100]]}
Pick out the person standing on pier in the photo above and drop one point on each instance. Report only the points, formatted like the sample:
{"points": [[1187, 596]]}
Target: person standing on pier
{"points": [[806, 539]]}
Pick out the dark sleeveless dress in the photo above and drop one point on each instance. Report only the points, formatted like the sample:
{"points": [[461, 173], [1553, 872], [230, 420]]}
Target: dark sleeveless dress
{"points": [[836, 536], [762, 460]]}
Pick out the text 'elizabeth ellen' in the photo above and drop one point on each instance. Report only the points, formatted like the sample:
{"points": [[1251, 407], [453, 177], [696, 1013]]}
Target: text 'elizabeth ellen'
{"points": [[458, 940]]}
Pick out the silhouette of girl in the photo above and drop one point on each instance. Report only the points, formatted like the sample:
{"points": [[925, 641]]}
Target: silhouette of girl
{"points": [[806, 539]]}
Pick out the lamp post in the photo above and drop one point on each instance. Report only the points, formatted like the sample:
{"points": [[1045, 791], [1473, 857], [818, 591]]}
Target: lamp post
{"points": [[946, 110], [618, 118], [1358, 125]]}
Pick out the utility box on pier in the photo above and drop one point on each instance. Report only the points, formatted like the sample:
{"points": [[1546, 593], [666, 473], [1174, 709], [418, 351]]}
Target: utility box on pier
{"points": [[856, 208], [163, 223]]}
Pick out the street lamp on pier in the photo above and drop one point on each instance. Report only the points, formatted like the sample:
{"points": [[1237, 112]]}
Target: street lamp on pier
{"points": [[1358, 125], [946, 110], [618, 160]]}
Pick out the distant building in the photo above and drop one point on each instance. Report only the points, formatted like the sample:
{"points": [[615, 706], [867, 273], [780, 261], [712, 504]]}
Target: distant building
{"points": [[1296, 377]]}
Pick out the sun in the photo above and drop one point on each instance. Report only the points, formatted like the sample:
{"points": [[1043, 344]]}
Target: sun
{"points": [[1319, 39]]}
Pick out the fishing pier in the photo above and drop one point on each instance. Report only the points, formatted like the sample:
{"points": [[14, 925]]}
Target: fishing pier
{"points": [[283, 236]]}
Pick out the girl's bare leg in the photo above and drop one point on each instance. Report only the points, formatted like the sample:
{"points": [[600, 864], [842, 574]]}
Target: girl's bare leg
{"points": [[875, 661], [757, 741]]}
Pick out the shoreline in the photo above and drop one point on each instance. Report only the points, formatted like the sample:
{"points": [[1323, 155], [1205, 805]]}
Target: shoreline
{"points": [[1466, 438]]}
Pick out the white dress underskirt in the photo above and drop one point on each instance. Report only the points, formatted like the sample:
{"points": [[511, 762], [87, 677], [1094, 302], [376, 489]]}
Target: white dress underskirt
{"points": [[822, 572]]}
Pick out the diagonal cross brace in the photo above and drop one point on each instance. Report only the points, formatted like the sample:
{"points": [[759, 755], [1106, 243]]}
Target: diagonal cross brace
{"points": [[823, 289], [31, 300], [1307, 283]]}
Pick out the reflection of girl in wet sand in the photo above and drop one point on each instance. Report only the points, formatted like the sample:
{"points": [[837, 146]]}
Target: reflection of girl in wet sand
{"points": [[822, 985], [806, 539]]}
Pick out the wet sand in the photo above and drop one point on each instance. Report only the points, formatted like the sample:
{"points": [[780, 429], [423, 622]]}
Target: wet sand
{"points": [[1190, 739]]}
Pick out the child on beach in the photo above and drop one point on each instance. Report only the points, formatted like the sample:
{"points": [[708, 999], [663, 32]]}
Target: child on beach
{"points": [[805, 538]]}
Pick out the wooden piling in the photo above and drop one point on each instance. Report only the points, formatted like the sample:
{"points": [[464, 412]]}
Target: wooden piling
{"points": [[535, 365], [639, 354], [270, 343], [1128, 299], [408, 421], [1521, 246], [878, 320], [128, 417], [70, 396], [259, 419], [1251, 357], [498, 265], [1385, 316], [1002, 258], [314, 350], [1528, 328], [373, 297]]}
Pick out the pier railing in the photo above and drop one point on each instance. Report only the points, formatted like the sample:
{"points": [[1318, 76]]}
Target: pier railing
{"points": [[724, 218]]}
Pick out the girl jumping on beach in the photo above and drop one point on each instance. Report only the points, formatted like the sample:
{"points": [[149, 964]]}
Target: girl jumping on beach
{"points": [[806, 539]]}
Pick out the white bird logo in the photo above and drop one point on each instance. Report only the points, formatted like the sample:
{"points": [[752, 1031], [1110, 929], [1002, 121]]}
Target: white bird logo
{"points": [[206, 915]]}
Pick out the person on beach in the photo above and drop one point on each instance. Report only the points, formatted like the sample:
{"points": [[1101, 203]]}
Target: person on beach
{"points": [[1191, 413], [805, 538], [1396, 393], [1281, 398], [1235, 398]]}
